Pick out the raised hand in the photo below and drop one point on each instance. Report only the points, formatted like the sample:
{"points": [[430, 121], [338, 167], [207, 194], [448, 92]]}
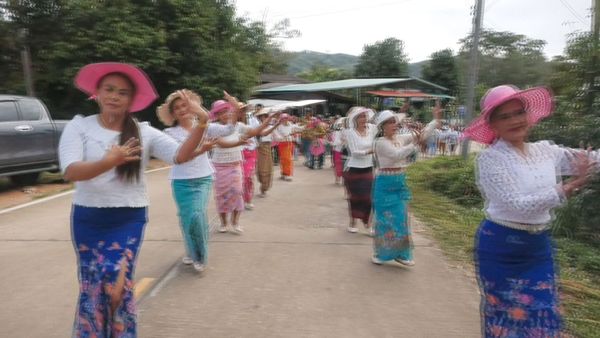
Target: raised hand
{"points": [[208, 144], [194, 107], [231, 99], [130, 151]]}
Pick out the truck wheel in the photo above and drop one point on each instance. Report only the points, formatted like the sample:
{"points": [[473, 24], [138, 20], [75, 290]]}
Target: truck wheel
{"points": [[25, 179]]}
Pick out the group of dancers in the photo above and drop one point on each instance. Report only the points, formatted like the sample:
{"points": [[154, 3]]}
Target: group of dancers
{"points": [[105, 155]]}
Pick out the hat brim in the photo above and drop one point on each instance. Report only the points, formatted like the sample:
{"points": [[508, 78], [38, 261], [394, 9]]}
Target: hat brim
{"points": [[399, 117], [538, 104], [356, 112], [88, 77], [164, 110]]}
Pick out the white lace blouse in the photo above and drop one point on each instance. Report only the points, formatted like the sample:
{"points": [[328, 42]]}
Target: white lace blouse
{"points": [[360, 146], [395, 154], [523, 188]]}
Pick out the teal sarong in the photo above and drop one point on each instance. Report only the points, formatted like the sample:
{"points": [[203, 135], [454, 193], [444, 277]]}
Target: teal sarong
{"points": [[191, 197], [392, 229]]}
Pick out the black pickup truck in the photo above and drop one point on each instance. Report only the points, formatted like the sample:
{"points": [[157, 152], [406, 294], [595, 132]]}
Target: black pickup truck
{"points": [[28, 139]]}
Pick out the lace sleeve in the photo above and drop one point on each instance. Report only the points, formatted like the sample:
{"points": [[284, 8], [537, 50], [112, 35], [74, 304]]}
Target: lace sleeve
{"points": [[498, 183], [564, 157], [386, 150]]}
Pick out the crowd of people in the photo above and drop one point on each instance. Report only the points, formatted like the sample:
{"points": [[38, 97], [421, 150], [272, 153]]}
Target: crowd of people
{"points": [[231, 143]]}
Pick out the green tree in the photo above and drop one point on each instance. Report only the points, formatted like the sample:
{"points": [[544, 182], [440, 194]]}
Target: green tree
{"points": [[383, 59], [507, 58], [442, 70], [196, 44]]}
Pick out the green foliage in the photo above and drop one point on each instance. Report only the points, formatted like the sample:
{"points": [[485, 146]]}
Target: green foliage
{"points": [[507, 58], [383, 59], [197, 44], [453, 177], [442, 70]]}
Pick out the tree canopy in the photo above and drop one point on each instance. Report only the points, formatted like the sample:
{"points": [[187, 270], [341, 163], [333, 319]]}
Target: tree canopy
{"points": [[383, 59], [197, 44], [442, 70]]}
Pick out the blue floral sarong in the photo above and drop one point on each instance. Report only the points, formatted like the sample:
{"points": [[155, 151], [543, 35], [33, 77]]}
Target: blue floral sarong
{"points": [[105, 241], [392, 230], [517, 278]]}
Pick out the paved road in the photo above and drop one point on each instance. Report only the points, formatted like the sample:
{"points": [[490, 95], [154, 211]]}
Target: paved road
{"points": [[294, 273]]}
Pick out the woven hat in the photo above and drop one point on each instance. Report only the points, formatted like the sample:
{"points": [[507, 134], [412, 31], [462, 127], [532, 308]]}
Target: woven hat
{"points": [[89, 76], [537, 102], [164, 110]]}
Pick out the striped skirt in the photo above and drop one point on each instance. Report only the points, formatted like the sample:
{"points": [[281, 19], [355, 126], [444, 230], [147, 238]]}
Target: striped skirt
{"points": [[392, 229], [358, 183], [265, 166], [106, 242], [517, 278], [191, 197], [228, 187]]}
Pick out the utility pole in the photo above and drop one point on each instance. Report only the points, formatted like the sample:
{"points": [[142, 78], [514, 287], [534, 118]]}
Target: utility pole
{"points": [[473, 68], [594, 73], [26, 61]]}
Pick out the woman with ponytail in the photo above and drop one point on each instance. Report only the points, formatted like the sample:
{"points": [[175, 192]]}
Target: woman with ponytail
{"points": [[105, 155]]}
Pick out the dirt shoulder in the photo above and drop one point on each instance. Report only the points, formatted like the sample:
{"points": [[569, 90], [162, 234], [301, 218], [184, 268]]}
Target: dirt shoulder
{"points": [[49, 184]]}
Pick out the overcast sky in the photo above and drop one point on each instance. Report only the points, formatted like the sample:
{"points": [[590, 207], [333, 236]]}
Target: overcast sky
{"points": [[425, 26]]}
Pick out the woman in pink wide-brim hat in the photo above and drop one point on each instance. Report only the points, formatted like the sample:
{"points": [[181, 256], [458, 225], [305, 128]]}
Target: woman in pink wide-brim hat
{"points": [[518, 180], [106, 154]]}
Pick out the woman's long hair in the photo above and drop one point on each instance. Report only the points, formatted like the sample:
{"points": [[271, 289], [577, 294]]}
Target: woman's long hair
{"points": [[130, 171]]}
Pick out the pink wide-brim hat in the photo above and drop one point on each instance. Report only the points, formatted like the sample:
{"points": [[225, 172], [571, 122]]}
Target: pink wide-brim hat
{"points": [[88, 77], [538, 103], [219, 106]]}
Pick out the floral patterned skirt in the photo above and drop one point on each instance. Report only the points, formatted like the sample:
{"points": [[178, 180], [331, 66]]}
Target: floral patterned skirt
{"points": [[106, 240], [392, 229], [517, 278]]}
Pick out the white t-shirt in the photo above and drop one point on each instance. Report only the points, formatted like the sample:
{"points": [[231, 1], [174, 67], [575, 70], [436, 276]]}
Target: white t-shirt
{"points": [[253, 123], [199, 166], [285, 133], [84, 139]]}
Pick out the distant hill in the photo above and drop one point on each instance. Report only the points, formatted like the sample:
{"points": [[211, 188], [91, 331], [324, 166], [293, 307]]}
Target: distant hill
{"points": [[303, 61]]}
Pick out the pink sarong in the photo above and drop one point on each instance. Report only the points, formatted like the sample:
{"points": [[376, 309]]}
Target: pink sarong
{"points": [[228, 187], [249, 169], [338, 163]]}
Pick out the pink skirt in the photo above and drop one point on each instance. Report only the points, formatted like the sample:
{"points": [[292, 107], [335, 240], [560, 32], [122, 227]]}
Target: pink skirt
{"points": [[228, 187], [338, 163]]}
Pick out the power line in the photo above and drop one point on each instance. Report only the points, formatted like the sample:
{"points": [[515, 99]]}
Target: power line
{"points": [[572, 10]]}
